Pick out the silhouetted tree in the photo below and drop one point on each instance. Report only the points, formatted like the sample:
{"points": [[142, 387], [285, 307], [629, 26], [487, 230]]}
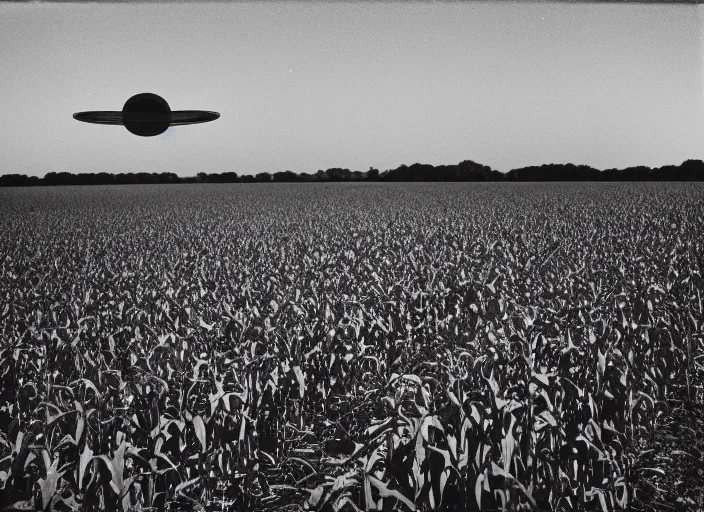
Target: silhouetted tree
{"points": [[692, 170], [669, 173], [397, 174], [18, 180], [689, 170], [337, 174], [144, 177], [469, 170], [59, 178], [104, 178], [639, 173], [285, 176], [464, 171], [169, 177], [554, 172], [225, 177]]}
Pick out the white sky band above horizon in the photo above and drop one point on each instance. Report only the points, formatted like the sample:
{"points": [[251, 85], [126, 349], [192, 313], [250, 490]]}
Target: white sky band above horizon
{"points": [[308, 86]]}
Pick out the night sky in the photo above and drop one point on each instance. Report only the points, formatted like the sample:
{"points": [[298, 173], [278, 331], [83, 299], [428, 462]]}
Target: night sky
{"points": [[308, 86]]}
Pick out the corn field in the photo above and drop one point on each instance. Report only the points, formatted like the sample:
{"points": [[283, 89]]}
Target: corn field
{"points": [[352, 347]]}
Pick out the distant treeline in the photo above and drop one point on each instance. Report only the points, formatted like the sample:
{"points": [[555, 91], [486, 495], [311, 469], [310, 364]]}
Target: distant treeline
{"points": [[690, 170]]}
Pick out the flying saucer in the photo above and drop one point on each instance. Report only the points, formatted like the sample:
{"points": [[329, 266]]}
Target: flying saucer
{"points": [[147, 114]]}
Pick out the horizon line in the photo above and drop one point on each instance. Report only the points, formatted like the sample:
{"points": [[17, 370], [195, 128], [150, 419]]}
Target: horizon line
{"points": [[401, 166], [369, 2]]}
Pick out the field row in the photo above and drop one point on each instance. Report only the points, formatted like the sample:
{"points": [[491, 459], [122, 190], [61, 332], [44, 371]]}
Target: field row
{"points": [[351, 346]]}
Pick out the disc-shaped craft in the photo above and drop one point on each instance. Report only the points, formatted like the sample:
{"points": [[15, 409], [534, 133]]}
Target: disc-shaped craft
{"points": [[147, 114]]}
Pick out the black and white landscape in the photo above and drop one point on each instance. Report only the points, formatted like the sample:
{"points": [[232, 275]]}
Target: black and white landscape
{"points": [[391, 346], [269, 312]]}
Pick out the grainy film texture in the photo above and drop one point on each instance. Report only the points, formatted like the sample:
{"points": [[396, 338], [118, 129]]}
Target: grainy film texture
{"points": [[352, 347]]}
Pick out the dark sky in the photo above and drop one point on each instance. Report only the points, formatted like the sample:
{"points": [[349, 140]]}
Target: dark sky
{"points": [[308, 86]]}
